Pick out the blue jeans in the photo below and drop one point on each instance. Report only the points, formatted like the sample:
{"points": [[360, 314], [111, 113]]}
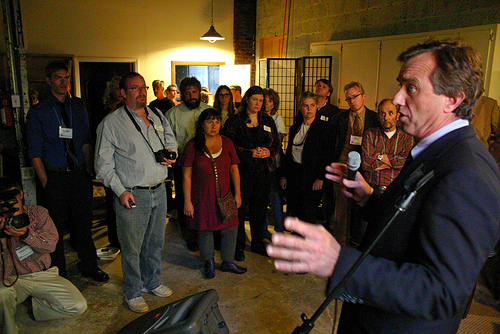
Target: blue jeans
{"points": [[141, 231], [277, 209]]}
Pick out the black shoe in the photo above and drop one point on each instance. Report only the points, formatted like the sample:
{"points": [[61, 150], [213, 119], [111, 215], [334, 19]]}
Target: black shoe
{"points": [[267, 235], [96, 274], [192, 246], [260, 249], [63, 273], [232, 268], [239, 255], [209, 271]]}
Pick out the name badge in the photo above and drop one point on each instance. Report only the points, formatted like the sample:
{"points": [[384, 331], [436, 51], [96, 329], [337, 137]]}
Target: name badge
{"points": [[267, 128], [324, 118], [159, 127], [24, 252], [65, 133], [356, 140]]}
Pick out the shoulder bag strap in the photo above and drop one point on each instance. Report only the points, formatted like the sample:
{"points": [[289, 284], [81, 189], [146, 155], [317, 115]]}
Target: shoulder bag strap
{"points": [[214, 165]]}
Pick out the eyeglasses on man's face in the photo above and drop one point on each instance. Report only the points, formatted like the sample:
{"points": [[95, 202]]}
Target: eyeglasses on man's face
{"points": [[138, 88], [349, 99]]}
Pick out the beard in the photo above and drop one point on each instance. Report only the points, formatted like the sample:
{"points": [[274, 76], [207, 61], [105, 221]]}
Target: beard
{"points": [[192, 103], [141, 102], [389, 126]]}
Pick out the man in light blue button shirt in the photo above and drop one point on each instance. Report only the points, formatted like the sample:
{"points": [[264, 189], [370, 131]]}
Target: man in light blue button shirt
{"points": [[125, 160]]}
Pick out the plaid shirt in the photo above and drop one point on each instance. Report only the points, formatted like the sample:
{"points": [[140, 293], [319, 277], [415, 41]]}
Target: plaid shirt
{"points": [[376, 142], [42, 239]]}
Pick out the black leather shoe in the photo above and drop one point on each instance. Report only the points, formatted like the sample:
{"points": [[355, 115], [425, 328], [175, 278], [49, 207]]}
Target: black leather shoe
{"points": [[63, 273], [192, 246], [239, 255], [209, 271], [96, 274], [232, 268], [260, 249]]}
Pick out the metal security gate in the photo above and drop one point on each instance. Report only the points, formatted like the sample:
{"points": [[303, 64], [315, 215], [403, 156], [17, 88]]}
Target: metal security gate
{"points": [[311, 69], [289, 77]]}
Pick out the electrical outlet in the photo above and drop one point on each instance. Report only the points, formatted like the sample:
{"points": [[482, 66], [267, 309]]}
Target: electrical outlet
{"points": [[16, 101], [28, 172]]}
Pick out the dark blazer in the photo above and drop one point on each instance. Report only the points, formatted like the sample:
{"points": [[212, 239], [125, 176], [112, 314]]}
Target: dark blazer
{"points": [[340, 123], [236, 129], [421, 273], [328, 112], [325, 114], [317, 150]]}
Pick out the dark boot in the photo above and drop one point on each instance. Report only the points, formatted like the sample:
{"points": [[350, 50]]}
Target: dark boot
{"points": [[259, 248], [239, 255], [209, 271], [232, 268]]}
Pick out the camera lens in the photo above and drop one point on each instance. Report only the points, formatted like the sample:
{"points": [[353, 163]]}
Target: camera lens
{"points": [[171, 155], [18, 221]]}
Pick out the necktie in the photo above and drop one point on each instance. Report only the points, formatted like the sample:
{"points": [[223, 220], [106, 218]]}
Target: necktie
{"points": [[71, 159], [356, 126]]}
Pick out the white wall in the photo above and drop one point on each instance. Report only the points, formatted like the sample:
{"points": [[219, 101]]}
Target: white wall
{"points": [[372, 61], [152, 33]]}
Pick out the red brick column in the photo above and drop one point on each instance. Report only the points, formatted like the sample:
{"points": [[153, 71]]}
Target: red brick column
{"points": [[245, 16]]}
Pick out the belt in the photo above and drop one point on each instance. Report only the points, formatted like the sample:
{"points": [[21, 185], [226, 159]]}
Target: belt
{"points": [[63, 169], [150, 187], [382, 188]]}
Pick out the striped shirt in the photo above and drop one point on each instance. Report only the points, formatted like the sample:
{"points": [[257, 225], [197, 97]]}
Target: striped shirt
{"points": [[42, 239], [375, 143]]}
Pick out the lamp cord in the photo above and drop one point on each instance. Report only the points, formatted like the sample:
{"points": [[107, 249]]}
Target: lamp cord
{"points": [[212, 23]]}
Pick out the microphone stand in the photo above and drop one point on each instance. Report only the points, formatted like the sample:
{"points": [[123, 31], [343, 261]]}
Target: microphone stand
{"points": [[403, 205]]}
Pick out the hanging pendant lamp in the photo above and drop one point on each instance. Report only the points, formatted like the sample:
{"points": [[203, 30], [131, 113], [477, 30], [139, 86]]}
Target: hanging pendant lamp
{"points": [[212, 35]]}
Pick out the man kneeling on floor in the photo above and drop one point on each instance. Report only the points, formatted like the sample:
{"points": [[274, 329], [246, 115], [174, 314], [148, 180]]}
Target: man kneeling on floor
{"points": [[27, 237]]}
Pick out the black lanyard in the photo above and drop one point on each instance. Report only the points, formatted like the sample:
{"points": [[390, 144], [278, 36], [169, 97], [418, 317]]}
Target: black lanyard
{"points": [[129, 113]]}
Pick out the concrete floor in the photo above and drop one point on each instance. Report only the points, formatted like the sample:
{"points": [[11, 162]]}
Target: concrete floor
{"points": [[261, 301]]}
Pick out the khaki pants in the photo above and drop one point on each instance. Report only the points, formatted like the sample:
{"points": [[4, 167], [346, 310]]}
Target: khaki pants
{"points": [[53, 297]]}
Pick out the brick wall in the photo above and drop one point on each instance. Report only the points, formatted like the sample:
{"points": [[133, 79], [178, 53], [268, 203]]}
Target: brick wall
{"points": [[244, 33], [330, 20]]}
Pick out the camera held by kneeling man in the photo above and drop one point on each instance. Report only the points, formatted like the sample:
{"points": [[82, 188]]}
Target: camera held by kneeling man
{"points": [[27, 237]]}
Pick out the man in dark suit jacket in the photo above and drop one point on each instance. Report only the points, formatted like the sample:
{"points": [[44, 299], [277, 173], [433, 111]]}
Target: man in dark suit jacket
{"points": [[348, 128], [323, 89], [421, 273], [347, 138]]}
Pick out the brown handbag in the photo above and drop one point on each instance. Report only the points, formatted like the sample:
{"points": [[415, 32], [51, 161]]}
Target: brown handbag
{"points": [[227, 206]]}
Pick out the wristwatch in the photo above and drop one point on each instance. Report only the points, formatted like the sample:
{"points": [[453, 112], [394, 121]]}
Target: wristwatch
{"points": [[379, 157]]}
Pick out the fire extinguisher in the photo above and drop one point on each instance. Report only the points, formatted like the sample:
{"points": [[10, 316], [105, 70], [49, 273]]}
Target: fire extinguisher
{"points": [[6, 112]]}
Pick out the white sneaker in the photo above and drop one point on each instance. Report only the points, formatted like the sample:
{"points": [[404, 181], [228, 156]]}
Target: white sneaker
{"points": [[138, 305], [161, 291]]}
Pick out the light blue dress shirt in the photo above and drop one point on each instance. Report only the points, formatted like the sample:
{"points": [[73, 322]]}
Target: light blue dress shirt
{"points": [[123, 158], [183, 122], [424, 143]]}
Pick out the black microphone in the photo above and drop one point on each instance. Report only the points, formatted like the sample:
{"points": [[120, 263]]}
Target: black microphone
{"points": [[353, 163]]}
